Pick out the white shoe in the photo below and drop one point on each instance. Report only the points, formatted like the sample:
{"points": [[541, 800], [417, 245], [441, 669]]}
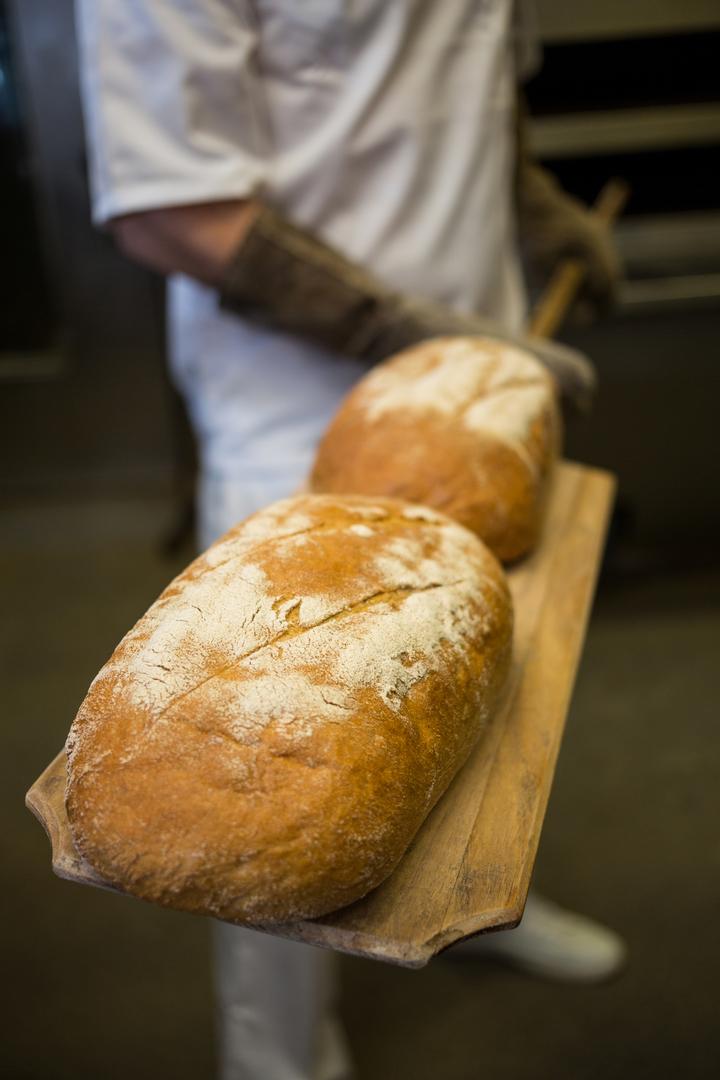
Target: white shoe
{"points": [[555, 944]]}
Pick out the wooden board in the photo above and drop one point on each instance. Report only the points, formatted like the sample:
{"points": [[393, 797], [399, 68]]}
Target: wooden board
{"points": [[468, 869]]}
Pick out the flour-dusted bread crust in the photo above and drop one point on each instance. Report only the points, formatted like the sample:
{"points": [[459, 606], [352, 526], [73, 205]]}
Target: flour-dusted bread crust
{"points": [[266, 741], [467, 425]]}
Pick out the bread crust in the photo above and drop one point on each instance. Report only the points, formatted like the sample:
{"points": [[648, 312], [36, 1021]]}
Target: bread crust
{"points": [[469, 426], [264, 744]]}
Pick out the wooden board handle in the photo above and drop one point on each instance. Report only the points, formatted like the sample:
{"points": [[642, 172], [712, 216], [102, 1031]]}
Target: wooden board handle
{"points": [[46, 800], [563, 286]]}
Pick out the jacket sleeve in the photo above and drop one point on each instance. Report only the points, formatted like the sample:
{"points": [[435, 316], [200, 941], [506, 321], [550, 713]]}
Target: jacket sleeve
{"points": [[172, 102]]}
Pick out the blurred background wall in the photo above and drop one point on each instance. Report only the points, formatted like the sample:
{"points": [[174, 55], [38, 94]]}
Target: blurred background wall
{"points": [[85, 407], [633, 90], [96, 469]]}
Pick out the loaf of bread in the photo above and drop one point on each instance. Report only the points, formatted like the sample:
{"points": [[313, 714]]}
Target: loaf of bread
{"points": [[264, 744], [467, 425]]}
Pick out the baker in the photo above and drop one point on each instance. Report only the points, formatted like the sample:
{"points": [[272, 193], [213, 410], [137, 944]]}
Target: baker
{"points": [[323, 183]]}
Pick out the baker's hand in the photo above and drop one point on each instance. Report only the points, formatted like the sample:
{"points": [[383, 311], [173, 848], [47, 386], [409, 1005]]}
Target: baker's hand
{"points": [[573, 371], [553, 225]]}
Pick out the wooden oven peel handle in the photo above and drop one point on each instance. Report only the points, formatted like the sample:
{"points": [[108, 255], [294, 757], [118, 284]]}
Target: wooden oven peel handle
{"points": [[552, 307]]}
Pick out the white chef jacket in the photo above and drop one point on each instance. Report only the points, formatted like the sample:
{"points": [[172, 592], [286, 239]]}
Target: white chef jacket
{"points": [[382, 125]]}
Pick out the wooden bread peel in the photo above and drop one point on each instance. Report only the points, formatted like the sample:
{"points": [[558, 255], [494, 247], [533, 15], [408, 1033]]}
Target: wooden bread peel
{"points": [[468, 869]]}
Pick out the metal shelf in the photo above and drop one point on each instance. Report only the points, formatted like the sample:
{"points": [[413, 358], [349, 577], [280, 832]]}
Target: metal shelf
{"points": [[565, 20], [625, 130]]}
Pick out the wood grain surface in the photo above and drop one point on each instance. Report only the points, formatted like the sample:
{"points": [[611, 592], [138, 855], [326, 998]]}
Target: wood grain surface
{"points": [[468, 869]]}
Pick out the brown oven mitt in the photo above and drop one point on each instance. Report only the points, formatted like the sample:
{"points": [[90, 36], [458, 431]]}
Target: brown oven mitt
{"points": [[553, 225], [284, 277]]}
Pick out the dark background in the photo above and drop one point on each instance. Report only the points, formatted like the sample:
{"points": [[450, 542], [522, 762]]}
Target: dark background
{"points": [[95, 476]]}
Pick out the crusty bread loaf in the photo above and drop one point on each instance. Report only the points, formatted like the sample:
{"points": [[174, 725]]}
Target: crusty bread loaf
{"points": [[469, 426], [266, 741]]}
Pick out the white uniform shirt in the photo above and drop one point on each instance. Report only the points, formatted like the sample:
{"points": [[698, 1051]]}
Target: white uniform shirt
{"points": [[383, 125]]}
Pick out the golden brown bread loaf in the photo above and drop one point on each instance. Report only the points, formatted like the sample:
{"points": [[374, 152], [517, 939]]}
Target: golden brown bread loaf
{"points": [[469, 426], [266, 741]]}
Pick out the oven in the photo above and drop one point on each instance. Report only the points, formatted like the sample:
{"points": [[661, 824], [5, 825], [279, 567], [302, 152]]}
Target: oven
{"points": [[634, 91]]}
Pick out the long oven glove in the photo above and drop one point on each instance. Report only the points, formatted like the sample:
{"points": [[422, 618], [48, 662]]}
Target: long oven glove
{"points": [[288, 280]]}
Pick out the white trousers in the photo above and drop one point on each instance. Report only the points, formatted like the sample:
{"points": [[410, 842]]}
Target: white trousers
{"points": [[275, 1008], [258, 418]]}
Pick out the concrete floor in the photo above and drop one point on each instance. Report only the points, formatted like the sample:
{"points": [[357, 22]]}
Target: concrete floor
{"points": [[97, 986]]}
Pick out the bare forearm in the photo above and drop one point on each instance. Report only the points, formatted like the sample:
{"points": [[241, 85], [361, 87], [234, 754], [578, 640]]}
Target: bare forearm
{"points": [[197, 240]]}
